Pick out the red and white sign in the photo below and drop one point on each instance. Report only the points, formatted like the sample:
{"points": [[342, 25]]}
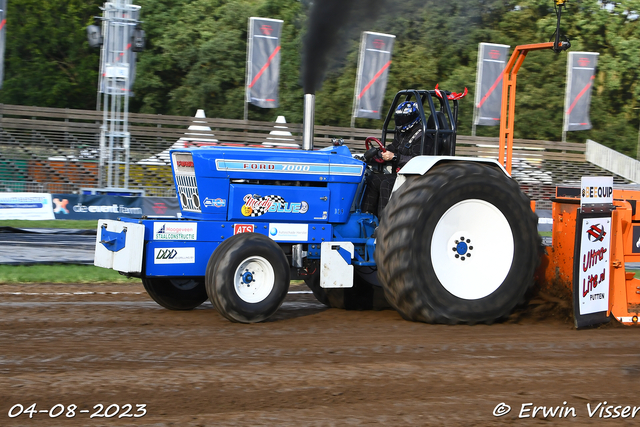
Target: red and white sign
{"points": [[593, 277], [243, 228]]}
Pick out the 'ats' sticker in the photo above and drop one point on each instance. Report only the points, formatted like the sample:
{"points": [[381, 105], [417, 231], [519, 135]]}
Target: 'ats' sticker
{"points": [[174, 255], [635, 247], [243, 228], [255, 205]]}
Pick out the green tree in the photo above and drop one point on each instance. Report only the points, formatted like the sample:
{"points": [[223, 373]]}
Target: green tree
{"points": [[48, 61], [196, 53]]}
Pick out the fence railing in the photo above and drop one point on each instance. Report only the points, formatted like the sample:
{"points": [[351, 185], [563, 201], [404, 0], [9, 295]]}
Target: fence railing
{"points": [[57, 150], [611, 160]]}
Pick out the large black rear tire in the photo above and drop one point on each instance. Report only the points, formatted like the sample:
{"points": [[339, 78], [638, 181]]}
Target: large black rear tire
{"points": [[457, 245], [247, 278], [176, 293], [362, 296]]}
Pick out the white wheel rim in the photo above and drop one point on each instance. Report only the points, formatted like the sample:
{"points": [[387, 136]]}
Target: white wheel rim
{"points": [[485, 256], [254, 279]]}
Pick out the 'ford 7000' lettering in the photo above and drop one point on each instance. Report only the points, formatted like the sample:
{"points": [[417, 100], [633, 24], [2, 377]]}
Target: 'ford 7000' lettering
{"points": [[273, 167], [303, 168]]}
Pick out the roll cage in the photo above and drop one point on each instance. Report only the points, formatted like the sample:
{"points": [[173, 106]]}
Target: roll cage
{"points": [[439, 130]]}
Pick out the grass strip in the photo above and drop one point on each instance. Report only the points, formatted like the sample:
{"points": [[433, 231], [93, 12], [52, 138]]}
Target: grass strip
{"points": [[53, 223], [61, 273]]}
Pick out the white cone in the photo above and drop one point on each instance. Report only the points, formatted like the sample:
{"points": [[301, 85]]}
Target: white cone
{"points": [[278, 140], [202, 135]]}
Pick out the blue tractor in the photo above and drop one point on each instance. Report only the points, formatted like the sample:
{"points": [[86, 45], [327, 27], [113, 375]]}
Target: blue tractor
{"points": [[457, 243]]}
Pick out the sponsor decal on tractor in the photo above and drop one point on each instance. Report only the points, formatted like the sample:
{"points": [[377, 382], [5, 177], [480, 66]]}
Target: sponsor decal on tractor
{"points": [[243, 228], [175, 231], [174, 255], [216, 203], [255, 205]]}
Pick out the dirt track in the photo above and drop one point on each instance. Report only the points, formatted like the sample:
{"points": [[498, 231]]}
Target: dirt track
{"points": [[307, 366]]}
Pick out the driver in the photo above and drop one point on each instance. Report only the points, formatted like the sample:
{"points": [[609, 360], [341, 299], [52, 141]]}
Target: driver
{"points": [[405, 146]]}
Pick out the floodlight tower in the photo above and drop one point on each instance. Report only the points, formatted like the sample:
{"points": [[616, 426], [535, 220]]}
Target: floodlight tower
{"points": [[121, 37]]}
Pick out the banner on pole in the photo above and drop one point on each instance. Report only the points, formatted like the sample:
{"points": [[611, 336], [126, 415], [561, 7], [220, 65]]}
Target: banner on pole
{"points": [[263, 62], [581, 71], [373, 71], [492, 59], [3, 37]]}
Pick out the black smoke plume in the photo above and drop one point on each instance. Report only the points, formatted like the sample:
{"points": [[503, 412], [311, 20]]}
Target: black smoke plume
{"points": [[328, 23]]}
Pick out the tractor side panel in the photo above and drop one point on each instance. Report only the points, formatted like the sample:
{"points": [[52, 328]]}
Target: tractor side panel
{"points": [[183, 248], [341, 200], [178, 258], [214, 197], [278, 203]]}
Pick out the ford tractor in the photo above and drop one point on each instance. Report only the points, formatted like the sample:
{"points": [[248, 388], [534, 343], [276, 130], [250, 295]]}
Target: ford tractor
{"points": [[457, 243]]}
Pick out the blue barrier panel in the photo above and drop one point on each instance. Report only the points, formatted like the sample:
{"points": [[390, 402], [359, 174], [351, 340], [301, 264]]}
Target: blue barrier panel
{"points": [[81, 206]]}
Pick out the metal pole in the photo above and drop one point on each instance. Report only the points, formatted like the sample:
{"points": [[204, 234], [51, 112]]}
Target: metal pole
{"points": [[247, 96], [120, 18], [308, 121], [638, 149]]}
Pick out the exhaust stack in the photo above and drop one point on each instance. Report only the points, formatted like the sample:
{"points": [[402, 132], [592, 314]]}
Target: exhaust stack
{"points": [[307, 122]]}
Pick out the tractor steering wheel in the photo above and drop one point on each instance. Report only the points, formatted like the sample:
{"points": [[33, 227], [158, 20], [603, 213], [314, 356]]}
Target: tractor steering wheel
{"points": [[367, 146]]}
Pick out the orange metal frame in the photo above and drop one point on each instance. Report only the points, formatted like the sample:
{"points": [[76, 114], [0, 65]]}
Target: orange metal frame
{"points": [[507, 116], [556, 269], [624, 294]]}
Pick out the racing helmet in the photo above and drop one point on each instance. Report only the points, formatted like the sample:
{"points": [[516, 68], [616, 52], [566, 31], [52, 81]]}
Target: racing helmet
{"points": [[407, 115]]}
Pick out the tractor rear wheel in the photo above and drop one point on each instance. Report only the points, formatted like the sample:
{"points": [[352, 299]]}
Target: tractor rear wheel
{"points": [[247, 278], [176, 293], [457, 245]]}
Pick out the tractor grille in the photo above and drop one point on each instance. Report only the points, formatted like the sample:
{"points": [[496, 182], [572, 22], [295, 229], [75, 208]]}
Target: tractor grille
{"points": [[188, 193], [186, 181]]}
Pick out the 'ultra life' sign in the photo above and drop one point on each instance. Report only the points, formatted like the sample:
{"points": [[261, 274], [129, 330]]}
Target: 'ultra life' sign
{"points": [[591, 259], [594, 276]]}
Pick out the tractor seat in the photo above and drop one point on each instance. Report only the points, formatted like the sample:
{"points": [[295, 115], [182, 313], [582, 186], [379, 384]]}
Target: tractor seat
{"points": [[443, 146]]}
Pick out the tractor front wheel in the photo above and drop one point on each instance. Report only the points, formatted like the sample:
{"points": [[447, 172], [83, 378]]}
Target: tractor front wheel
{"points": [[247, 278], [457, 245], [176, 293]]}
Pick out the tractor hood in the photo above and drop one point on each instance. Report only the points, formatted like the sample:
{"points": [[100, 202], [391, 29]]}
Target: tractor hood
{"points": [[216, 182], [331, 164]]}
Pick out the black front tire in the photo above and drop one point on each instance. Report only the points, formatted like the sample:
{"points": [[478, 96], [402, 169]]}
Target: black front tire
{"points": [[457, 245], [176, 293], [247, 278]]}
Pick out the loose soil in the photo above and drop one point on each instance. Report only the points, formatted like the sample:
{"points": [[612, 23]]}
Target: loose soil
{"points": [[110, 344]]}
